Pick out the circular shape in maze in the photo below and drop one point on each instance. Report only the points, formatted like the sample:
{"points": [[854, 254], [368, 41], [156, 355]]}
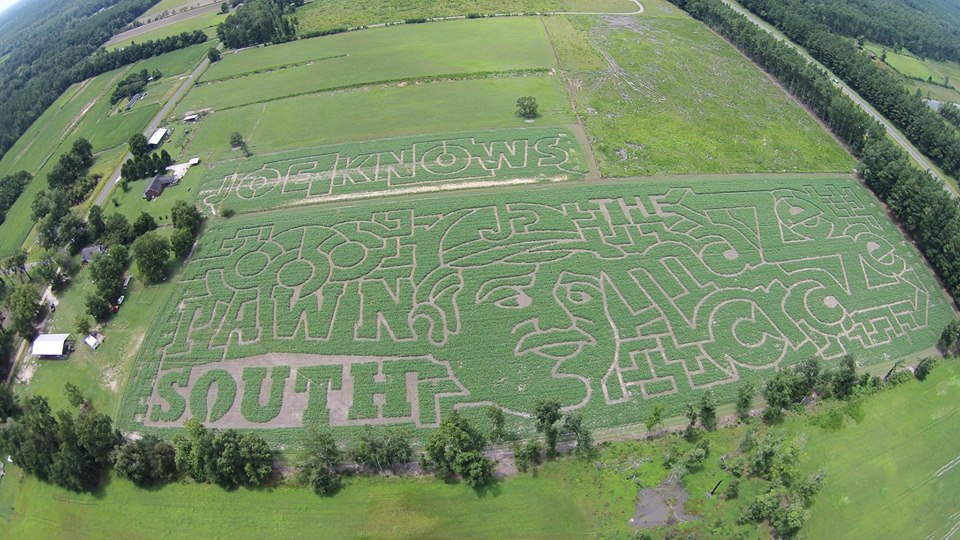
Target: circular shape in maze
{"points": [[295, 273], [348, 254]]}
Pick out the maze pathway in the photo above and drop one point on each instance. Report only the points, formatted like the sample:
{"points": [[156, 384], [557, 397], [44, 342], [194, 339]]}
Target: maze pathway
{"points": [[604, 296]]}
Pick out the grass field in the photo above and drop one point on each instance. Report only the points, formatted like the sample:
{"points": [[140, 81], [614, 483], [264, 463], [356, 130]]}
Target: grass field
{"points": [[171, 6], [322, 15], [382, 54], [895, 474], [378, 112], [641, 293], [665, 95], [206, 22], [871, 465], [411, 164], [927, 75]]}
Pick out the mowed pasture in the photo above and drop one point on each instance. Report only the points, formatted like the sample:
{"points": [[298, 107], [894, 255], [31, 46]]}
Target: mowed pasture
{"points": [[381, 111], [376, 55], [330, 14], [394, 166], [664, 94], [896, 473], [608, 297]]}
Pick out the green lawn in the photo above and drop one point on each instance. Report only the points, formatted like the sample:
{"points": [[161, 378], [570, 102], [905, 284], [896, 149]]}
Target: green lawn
{"points": [[383, 54], [884, 477], [406, 508], [102, 373], [673, 97], [379, 112]]}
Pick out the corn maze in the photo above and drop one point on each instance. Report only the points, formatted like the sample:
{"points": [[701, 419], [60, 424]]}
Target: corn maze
{"points": [[605, 296], [410, 164]]}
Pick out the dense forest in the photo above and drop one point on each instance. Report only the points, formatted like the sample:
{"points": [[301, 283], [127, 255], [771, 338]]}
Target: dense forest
{"points": [[927, 28], [260, 21], [923, 126], [951, 114], [929, 213]]}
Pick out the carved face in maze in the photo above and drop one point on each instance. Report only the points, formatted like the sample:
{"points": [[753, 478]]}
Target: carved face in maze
{"points": [[552, 320]]}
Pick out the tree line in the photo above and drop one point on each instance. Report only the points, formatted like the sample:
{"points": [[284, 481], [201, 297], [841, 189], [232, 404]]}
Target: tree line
{"points": [[68, 184], [918, 26], [920, 202], [260, 21], [923, 126], [11, 186], [951, 113], [143, 164]]}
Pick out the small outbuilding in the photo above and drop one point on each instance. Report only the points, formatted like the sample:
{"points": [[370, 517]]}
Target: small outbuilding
{"points": [[192, 117], [92, 341], [157, 137], [157, 185], [51, 346]]}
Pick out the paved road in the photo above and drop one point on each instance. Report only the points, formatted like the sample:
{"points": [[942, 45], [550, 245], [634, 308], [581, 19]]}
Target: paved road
{"points": [[154, 124], [891, 129]]}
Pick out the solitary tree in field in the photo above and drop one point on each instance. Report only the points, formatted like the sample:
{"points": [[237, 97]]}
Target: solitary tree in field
{"points": [[213, 54], [745, 399], [236, 141], [527, 107]]}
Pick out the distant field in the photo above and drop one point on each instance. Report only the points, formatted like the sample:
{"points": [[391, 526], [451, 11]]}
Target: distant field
{"points": [[379, 112], [171, 6], [640, 292], [84, 110], [176, 62], [932, 74], [321, 15], [663, 95], [383, 54], [206, 22], [53, 130]]}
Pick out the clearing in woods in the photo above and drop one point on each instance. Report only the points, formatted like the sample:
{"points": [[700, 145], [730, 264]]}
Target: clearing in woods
{"points": [[601, 295]]}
